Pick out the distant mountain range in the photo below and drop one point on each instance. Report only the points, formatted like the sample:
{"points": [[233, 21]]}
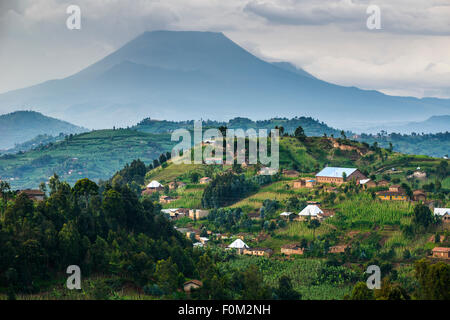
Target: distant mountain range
{"points": [[193, 75], [433, 124], [20, 126]]}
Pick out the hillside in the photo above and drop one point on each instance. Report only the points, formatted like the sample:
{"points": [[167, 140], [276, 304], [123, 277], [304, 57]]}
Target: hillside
{"points": [[95, 155], [435, 145], [132, 247], [434, 124], [306, 157], [312, 127], [21, 126], [164, 73]]}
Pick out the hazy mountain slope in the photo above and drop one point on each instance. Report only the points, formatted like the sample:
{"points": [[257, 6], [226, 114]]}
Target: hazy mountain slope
{"points": [[193, 75], [21, 126], [434, 124]]}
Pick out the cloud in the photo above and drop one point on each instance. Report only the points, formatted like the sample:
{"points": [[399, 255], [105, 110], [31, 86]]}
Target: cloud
{"points": [[327, 38], [401, 16]]}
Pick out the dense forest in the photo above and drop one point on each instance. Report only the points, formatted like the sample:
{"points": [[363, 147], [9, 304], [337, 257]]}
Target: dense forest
{"points": [[435, 145]]}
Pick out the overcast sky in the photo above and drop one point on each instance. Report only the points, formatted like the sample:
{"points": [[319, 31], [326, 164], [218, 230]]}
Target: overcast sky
{"points": [[410, 55]]}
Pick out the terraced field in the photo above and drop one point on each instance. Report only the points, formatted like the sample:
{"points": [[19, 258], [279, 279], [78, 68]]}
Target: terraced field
{"points": [[95, 155]]}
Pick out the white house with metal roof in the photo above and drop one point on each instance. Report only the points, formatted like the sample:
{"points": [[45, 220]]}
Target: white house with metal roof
{"points": [[443, 213], [154, 185], [310, 210], [238, 245]]}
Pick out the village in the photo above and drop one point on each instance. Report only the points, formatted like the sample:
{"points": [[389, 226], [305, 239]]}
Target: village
{"points": [[328, 180]]}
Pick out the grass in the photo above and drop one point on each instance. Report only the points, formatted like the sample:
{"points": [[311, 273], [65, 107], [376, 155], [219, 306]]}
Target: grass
{"points": [[362, 210], [274, 191], [302, 272]]}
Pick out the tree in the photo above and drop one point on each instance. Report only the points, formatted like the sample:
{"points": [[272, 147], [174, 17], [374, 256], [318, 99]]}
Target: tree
{"points": [[361, 292], [442, 169], [253, 285], [54, 183], [194, 177], [285, 290], [314, 224], [85, 188], [422, 216], [299, 133], [4, 190], [166, 275], [162, 158], [391, 291], [433, 280]]}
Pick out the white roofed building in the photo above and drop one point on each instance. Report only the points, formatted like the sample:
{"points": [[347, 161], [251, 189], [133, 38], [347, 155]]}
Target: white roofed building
{"points": [[443, 213], [238, 245], [154, 185], [310, 210]]}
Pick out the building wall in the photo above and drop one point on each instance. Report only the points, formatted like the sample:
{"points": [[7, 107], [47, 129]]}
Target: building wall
{"points": [[289, 251], [330, 180]]}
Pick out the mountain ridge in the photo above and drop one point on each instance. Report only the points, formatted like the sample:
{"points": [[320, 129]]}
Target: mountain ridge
{"points": [[20, 126], [208, 75]]}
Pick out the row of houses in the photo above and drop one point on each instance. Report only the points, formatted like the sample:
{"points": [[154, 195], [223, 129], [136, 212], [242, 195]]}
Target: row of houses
{"points": [[155, 186], [177, 213], [296, 249]]}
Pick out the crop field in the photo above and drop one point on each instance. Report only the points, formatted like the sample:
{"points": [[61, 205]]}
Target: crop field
{"points": [[362, 211], [97, 155], [304, 274]]}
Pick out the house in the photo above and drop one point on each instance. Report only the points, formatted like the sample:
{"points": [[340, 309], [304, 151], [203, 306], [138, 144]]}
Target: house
{"points": [[254, 215], [153, 186], [188, 286], [311, 211], [205, 180], [198, 245], [419, 195], [336, 175], [204, 240], [395, 192], [260, 252], [198, 214], [166, 199], [383, 183], [418, 174], [285, 215], [35, 195], [175, 213], [338, 249], [443, 213], [291, 249], [441, 253], [298, 184], [213, 160], [303, 183], [267, 171], [367, 183], [327, 213], [290, 173], [172, 185], [239, 246]]}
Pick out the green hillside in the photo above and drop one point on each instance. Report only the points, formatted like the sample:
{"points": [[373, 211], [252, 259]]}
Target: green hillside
{"points": [[311, 126], [96, 155], [21, 126]]}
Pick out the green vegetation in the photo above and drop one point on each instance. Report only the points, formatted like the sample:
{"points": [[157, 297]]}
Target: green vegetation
{"points": [[97, 155], [20, 126]]}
